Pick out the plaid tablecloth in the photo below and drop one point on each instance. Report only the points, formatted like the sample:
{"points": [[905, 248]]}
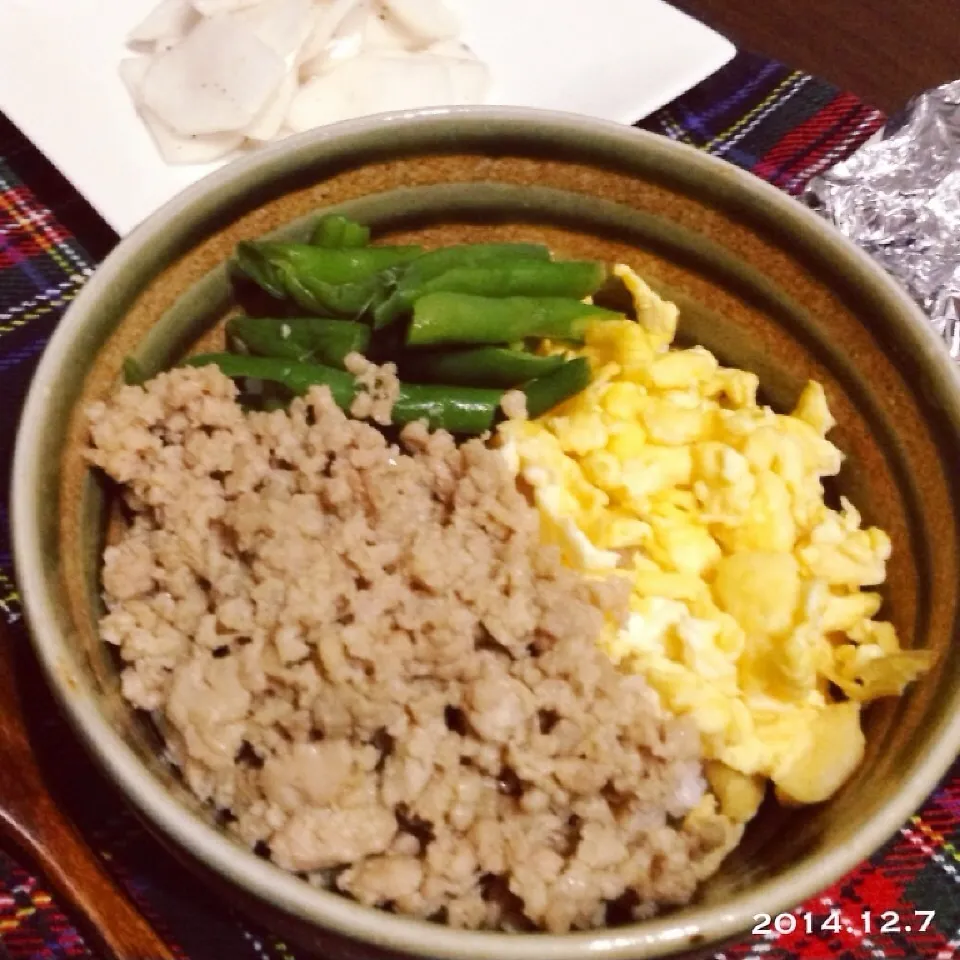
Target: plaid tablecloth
{"points": [[784, 126]]}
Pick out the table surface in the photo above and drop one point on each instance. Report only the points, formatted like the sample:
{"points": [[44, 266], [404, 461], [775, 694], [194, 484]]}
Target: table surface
{"points": [[884, 51]]}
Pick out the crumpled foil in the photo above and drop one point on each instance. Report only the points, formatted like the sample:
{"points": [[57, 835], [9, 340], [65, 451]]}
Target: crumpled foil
{"points": [[898, 197]]}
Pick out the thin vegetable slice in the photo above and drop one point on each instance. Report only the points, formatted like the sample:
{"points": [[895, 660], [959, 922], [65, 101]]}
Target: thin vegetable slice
{"points": [[338, 36], [210, 8], [427, 21], [216, 81], [283, 25], [173, 147], [168, 21], [269, 122], [375, 82]]}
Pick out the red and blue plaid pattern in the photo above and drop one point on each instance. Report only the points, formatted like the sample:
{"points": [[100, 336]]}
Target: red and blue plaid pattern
{"points": [[782, 125]]}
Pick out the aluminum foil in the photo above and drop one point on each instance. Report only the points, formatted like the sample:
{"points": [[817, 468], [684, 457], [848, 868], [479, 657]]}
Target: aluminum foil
{"points": [[898, 197]]}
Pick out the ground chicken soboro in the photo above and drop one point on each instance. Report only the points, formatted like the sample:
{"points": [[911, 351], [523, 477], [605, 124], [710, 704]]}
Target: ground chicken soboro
{"points": [[366, 656]]}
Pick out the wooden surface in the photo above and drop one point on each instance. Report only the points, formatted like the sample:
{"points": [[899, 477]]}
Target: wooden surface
{"points": [[884, 51], [32, 822]]}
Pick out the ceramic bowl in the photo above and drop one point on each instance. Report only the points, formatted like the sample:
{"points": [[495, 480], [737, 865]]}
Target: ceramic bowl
{"points": [[760, 281]]}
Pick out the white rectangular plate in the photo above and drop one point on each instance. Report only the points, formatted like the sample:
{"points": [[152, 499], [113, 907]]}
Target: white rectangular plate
{"points": [[614, 59]]}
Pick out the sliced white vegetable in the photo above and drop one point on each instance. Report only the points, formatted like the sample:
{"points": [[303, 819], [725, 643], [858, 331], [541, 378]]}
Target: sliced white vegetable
{"points": [[384, 33], [165, 44], [217, 80], [347, 41], [317, 103], [132, 71], [470, 80], [328, 16], [351, 33], [177, 149], [427, 20], [173, 147], [169, 19], [210, 8], [371, 83], [451, 48], [267, 125], [283, 25], [220, 72]]}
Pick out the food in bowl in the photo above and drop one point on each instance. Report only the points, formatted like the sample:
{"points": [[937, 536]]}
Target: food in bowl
{"points": [[528, 662]]}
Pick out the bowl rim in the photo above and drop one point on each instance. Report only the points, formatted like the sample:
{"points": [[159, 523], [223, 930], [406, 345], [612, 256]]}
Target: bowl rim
{"points": [[697, 926]]}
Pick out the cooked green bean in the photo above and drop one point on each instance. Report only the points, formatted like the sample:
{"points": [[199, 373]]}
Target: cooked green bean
{"points": [[273, 396], [331, 266], [442, 318], [508, 278], [546, 392], [437, 262], [306, 339], [434, 262], [338, 232], [133, 374], [476, 367], [296, 377], [467, 410], [327, 282], [347, 300]]}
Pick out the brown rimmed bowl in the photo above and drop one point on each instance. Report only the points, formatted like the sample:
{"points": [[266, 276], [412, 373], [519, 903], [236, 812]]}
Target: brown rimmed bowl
{"points": [[760, 281]]}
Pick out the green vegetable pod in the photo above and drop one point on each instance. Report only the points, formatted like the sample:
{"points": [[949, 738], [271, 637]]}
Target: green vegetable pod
{"points": [[476, 367], [549, 391], [338, 232], [340, 283], [465, 410], [460, 318], [527, 278], [133, 374], [296, 377], [305, 339], [435, 263]]}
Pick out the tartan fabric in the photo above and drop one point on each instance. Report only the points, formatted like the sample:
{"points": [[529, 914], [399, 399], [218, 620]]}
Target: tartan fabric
{"points": [[783, 126]]}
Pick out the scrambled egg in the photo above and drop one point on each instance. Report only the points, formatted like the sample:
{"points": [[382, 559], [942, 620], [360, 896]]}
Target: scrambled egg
{"points": [[749, 596]]}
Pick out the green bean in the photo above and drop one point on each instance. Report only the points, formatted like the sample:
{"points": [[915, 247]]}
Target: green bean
{"points": [[547, 392], [508, 278], [271, 396], [434, 262], [467, 410], [338, 232], [347, 300], [441, 318], [306, 339], [331, 266], [133, 374], [342, 283], [438, 262], [476, 367], [297, 377]]}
